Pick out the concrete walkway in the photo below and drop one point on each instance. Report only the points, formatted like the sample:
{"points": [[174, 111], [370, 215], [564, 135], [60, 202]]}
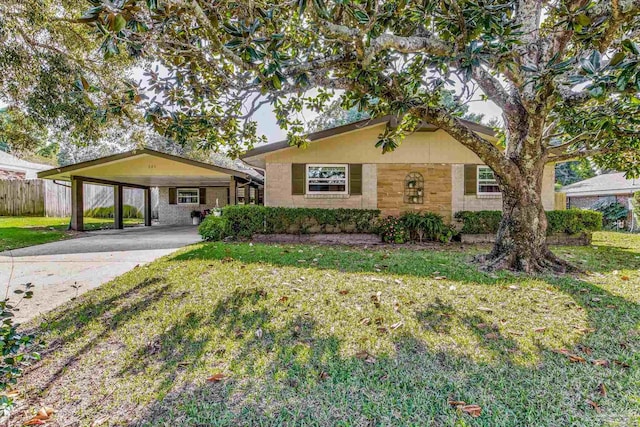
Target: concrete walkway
{"points": [[63, 270]]}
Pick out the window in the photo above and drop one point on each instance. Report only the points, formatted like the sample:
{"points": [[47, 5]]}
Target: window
{"points": [[487, 183], [327, 179], [188, 196]]}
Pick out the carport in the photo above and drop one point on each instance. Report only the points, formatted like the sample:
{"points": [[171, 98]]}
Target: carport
{"points": [[145, 168]]}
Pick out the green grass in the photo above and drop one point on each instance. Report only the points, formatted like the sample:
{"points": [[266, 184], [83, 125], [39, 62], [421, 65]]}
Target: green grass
{"points": [[21, 231], [311, 335]]}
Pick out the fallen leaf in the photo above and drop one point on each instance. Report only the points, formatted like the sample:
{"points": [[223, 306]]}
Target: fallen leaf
{"points": [[491, 336], [482, 326], [620, 363], [602, 389], [396, 325], [594, 405], [365, 321], [343, 292], [485, 309], [363, 354], [34, 422], [440, 278], [624, 277], [371, 360], [542, 329], [216, 377], [473, 410], [259, 333], [600, 362], [382, 330], [323, 376], [573, 358], [514, 287], [518, 333], [457, 402], [284, 299]]}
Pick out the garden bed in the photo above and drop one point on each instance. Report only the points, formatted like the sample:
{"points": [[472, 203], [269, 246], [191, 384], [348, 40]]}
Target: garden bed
{"points": [[321, 238], [557, 239]]}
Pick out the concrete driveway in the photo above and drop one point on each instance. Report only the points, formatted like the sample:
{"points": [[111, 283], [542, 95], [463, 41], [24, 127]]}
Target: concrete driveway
{"points": [[63, 270]]}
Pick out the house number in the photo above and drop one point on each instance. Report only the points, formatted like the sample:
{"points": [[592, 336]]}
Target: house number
{"points": [[151, 166]]}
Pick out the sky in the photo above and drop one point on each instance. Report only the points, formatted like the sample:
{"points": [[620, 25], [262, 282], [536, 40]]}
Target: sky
{"points": [[267, 123]]}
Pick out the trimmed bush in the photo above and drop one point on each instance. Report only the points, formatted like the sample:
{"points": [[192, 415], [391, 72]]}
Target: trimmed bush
{"points": [[480, 222], [426, 226], [246, 220], [213, 228], [128, 211], [570, 221], [573, 221]]}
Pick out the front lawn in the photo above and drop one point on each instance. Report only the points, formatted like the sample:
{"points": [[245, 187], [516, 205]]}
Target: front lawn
{"points": [[21, 231], [240, 334]]}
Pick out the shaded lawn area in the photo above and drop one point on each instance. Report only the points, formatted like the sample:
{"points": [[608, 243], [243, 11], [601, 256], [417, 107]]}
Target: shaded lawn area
{"points": [[22, 231], [310, 335]]}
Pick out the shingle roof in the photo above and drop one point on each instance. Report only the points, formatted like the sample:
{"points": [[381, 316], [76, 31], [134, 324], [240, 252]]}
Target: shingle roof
{"points": [[610, 183]]}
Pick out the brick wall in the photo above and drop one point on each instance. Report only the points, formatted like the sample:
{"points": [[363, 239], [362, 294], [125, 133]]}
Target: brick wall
{"points": [[437, 188], [181, 214], [7, 174]]}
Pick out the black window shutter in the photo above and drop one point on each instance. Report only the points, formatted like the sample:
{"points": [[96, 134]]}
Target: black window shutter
{"points": [[355, 179], [172, 195], [203, 195], [298, 181], [470, 179]]}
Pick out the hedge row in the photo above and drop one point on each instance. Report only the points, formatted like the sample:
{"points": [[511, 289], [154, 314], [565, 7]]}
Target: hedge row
{"points": [[128, 211], [570, 221], [246, 220]]}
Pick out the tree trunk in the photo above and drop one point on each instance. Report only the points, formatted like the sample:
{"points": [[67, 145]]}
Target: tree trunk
{"points": [[521, 241]]}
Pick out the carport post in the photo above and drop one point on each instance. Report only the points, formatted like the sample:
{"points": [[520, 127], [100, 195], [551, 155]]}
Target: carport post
{"points": [[147, 207], [77, 204], [117, 207], [233, 192]]}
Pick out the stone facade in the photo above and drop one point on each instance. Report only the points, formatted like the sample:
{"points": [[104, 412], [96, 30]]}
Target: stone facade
{"points": [[437, 188], [181, 214], [278, 191]]}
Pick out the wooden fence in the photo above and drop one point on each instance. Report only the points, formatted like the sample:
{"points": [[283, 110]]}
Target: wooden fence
{"points": [[43, 197]]}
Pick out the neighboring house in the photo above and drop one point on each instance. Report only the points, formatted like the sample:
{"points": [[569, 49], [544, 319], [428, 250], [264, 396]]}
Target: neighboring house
{"points": [[12, 167], [184, 185], [609, 186], [342, 168]]}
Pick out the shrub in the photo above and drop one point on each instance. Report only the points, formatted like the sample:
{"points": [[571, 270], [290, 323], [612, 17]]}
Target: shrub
{"points": [[480, 222], [246, 220], [570, 221], [17, 349], [426, 226], [611, 210], [213, 228], [128, 211], [393, 230], [573, 221]]}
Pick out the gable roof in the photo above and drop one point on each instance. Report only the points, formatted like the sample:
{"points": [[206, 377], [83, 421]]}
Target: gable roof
{"points": [[362, 124], [66, 171], [603, 185], [12, 161]]}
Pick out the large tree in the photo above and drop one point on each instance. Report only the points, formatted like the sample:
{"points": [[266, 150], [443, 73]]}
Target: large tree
{"points": [[564, 73]]}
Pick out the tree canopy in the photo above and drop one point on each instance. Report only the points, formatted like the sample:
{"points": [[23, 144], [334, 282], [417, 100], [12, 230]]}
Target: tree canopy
{"points": [[566, 75]]}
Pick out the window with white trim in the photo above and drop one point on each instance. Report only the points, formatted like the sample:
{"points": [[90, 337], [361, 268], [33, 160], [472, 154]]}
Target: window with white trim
{"points": [[487, 183], [327, 179], [188, 196]]}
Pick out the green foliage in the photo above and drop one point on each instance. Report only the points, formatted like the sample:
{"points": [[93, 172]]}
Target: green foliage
{"points": [[570, 172], [570, 221], [426, 226], [247, 220], [17, 348], [480, 222], [612, 211], [128, 211], [393, 230], [213, 228]]}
